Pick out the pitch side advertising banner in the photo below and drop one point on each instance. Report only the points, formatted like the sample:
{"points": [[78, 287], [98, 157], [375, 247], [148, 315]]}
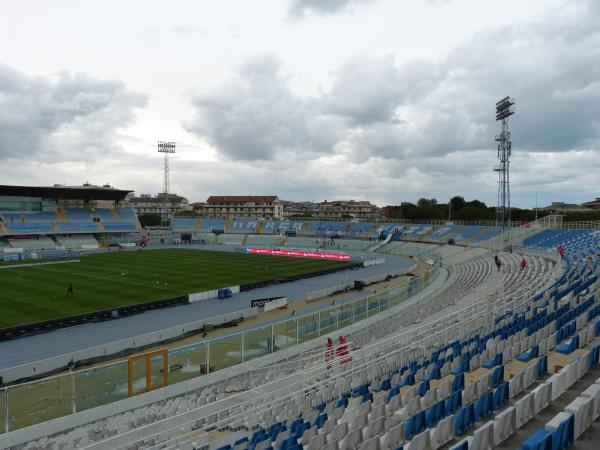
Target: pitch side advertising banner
{"points": [[267, 251]]}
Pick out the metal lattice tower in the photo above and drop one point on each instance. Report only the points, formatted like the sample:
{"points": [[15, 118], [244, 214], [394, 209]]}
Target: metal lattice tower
{"points": [[167, 148], [504, 109]]}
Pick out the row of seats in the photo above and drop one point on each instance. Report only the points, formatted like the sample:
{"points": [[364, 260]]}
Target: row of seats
{"points": [[461, 234], [72, 220], [509, 321], [565, 279], [477, 408]]}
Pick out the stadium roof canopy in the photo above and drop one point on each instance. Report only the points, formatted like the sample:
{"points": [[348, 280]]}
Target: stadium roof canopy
{"points": [[86, 192]]}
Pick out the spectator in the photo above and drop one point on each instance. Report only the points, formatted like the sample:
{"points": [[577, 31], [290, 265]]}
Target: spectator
{"points": [[498, 262], [329, 353], [343, 352], [523, 263]]}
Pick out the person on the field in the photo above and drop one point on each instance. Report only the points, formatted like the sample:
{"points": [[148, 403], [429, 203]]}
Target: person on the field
{"points": [[70, 289]]}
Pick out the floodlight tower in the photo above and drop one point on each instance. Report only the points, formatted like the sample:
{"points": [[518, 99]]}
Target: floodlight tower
{"points": [[167, 148], [504, 109]]}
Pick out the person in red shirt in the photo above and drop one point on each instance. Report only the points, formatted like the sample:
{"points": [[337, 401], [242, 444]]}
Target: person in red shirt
{"points": [[329, 353], [523, 263], [343, 352], [561, 251]]}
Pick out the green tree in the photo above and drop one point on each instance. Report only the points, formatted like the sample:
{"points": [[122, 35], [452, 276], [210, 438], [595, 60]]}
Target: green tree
{"points": [[457, 202], [149, 220]]}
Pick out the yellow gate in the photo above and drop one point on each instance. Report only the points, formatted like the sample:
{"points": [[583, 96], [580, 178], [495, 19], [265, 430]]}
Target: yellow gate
{"points": [[148, 371]]}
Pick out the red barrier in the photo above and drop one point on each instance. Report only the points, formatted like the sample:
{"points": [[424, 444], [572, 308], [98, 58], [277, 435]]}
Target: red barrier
{"points": [[318, 255]]}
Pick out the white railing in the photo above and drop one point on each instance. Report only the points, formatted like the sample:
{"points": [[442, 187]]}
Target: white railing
{"points": [[401, 347]]}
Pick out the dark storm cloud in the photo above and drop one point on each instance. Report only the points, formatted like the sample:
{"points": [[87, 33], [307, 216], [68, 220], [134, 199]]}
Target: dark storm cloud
{"points": [[299, 8], [71, 118]]}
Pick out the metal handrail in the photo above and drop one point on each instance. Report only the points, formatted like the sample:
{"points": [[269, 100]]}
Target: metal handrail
{"points": [[480, 307]]}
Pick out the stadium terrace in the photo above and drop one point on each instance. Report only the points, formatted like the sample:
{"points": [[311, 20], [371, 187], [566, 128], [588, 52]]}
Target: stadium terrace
{"points": [[446, 335]]}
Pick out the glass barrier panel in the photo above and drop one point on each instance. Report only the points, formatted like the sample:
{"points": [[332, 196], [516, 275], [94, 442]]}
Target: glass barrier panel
{"points": [[360, 309], [157, 371], [373, 302], [2, 410], [393, 297], [138, 377], [100, 386], [345, 315], [225, 352], [401, 293], [188, 362], [39, 401], [328, 320], [384, 301], [308, 327], [285, 333], [258, 342]]}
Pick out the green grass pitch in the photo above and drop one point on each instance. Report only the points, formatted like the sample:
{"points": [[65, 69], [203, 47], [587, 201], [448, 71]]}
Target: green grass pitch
{"points": [[109, 280]]}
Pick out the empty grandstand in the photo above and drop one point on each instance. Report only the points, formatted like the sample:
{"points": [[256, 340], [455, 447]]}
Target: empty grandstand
{"points": [[60, 217], [465, 354], [466, 363]]}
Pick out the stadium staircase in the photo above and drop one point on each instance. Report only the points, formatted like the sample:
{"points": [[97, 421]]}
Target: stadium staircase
{"points": [[61, 215], [425, 237], [197, 224], [101, 227], [115, 216], [379, 244], [228, 224], [453, 233], [282, 241], [3, 228], [259, 228], [306, 224], [245, 239], [55, 228]]}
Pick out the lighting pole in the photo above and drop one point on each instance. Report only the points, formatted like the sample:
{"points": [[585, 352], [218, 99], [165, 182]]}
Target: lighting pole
{"points": [[504, 109], [166, 147]]}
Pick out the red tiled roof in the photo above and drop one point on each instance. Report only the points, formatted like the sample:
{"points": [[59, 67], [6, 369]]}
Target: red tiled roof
{"points": [[241, 198], [592, 203]]}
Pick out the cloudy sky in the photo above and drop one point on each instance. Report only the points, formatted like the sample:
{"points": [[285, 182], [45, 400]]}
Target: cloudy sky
{"points": [[383, 100]]}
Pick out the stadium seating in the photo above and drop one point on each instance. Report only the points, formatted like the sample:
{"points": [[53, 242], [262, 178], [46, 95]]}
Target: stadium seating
{"points": [[77, 241], [37, 244], [550, 239], [212, 224], [416, 231], [243, 226], [30, 228], [79, 227], [77, 214], [449, 381], [443, 233], [183, 224]]}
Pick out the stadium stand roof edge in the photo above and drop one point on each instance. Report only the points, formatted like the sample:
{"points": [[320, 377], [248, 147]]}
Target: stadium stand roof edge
{"points": [[65, 192]]}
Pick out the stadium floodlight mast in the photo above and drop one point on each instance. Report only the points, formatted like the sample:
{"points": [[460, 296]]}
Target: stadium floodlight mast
{"points": [[504, 109], [166, 147]]}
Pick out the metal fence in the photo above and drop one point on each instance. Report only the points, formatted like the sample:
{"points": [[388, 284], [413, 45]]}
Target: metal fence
{"points": [[42, 400], [401, 348]]}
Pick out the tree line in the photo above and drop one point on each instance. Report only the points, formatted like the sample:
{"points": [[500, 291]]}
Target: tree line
{"points": [[460, 209]]}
